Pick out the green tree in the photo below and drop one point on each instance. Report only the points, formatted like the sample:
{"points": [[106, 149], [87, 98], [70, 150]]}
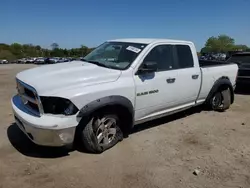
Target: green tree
{"points": [[17, 51], [57, 52], [6, 54], [222, 43], [84, 50], [65, 52], [54, 46], [38, 48], [241, 47]]}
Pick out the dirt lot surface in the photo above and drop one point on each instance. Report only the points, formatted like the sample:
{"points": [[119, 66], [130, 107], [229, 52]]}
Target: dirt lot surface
{"points": [[162, 153]]}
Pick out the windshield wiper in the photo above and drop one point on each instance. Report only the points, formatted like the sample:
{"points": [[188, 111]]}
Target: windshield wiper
{"points": [[96, 63]]}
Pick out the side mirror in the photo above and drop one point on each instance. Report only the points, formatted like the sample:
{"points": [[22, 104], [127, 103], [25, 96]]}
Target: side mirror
{"points": [[148, 67]]}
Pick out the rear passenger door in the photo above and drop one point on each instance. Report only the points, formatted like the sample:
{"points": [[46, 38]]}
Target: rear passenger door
{"points": [[188, 75]]}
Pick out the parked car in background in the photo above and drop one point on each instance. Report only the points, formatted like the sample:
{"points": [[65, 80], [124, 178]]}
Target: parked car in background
{"points": [[214, 56], [80, 58], [64, 59], [243, 61], [14, 61], [40, 60], [4, 61], [22, 60], [31, 60], [44, 60], [98, 100], [72, 58], [221, 57], [51, 60]]}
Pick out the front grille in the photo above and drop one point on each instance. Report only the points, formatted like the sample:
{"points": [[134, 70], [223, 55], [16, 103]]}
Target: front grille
{"points": [[29, 98]]}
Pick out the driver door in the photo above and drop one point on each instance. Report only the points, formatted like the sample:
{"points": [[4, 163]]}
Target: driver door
{"points": [[156, 91]]}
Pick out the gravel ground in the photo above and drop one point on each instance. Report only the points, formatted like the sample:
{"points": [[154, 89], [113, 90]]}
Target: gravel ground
{"points": [[161, 153]]}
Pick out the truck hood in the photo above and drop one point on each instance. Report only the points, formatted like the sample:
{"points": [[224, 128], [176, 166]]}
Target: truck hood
{"points": [[51, 79]]}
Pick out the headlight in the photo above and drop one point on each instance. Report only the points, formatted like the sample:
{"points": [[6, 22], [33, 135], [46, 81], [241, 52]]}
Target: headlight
{"points": [[57, 105]]}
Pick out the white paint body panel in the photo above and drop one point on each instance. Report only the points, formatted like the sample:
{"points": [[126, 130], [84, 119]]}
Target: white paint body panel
{"points": [[52, 80], [83, 83], [211, 74]]}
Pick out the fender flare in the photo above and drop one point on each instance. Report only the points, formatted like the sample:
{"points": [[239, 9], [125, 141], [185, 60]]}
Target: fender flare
{"points": [[223, 81], [107, 101]]}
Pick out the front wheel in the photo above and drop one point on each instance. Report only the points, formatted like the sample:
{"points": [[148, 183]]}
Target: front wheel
{"points": [[221, 100], [101, 133]]}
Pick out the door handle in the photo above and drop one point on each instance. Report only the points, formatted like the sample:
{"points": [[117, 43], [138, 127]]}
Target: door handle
{"points": [[195, 76], [170, 80]]}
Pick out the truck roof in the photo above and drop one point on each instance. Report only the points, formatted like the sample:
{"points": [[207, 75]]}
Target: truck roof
{"points": [[148, 40]]}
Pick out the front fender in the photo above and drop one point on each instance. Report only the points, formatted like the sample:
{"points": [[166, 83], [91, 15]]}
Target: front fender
{"points": [[106, 101]]}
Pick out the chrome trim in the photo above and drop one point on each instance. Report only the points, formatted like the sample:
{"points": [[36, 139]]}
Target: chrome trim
{"points": [[24, 97]]}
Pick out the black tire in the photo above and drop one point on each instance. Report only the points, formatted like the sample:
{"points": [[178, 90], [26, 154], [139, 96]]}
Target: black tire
{"points": [[223, 100], [88, 134]]}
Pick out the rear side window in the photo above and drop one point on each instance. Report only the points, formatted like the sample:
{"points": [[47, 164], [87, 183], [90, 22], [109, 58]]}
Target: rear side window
{"points": [[184, 56], [163, 56]]}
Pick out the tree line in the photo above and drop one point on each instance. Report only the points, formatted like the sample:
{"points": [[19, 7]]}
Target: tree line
{"points": [[221, 43], [17, 51]]}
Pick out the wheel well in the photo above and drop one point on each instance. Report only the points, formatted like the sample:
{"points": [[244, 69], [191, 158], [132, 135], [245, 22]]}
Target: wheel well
{"points": [[224, 87], [125, 116], [224, 77], [221, 84]]}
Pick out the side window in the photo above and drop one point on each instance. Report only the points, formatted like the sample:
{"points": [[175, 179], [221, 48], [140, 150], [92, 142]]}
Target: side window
{"points": [[163, 56], [184, 56]]}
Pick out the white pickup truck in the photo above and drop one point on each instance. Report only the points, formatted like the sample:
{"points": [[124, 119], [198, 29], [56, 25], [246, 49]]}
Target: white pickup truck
{"points": [[121, 83]]}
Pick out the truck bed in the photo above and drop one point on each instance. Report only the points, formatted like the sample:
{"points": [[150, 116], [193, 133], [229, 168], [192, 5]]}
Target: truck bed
{"points": [[211, 71], [210, 63]]}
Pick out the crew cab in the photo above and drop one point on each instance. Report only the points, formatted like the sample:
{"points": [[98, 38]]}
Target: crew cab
{"points": [[121, 83], [243, 60]]}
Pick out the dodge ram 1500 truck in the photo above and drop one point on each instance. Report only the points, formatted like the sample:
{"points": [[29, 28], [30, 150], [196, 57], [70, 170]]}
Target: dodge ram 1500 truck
{"points": [[121, 83]]}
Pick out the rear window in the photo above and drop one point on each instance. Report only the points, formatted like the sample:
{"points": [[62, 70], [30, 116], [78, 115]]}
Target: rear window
{"points": [[240, 58]]}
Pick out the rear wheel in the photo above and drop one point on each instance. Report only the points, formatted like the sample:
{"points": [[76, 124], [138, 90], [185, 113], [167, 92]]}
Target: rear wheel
{"points": [[221, 100], [101, 132]]}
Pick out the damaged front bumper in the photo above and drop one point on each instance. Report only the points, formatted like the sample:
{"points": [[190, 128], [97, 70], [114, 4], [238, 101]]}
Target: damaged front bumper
{"points": [[47, 130]]}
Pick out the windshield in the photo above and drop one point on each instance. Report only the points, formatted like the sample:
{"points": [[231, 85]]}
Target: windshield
{"points": [[116, 55], [240, 58]]}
